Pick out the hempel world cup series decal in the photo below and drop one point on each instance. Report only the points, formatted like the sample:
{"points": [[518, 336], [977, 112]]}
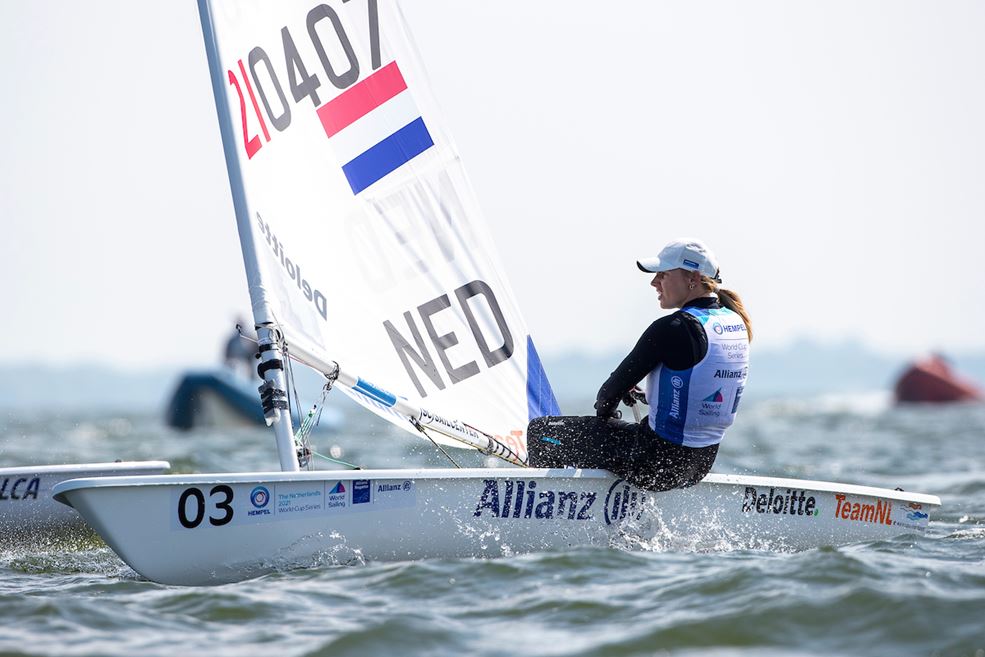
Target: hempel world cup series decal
{"points": [[249, 504]]}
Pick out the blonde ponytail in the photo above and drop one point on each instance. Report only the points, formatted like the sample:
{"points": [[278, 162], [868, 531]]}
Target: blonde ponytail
{"points": [[730, 300]]}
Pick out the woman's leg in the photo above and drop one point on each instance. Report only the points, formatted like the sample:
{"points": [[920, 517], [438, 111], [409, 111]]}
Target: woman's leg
{"points": [[665, 466], [580, 441], [631, 451]]}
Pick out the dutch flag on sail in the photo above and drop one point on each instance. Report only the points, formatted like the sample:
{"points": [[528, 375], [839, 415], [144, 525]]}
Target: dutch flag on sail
{"points": [[375, 127]]}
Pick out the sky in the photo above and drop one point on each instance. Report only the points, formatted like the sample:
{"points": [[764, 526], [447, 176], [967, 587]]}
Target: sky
{"points": [[831, 154]]}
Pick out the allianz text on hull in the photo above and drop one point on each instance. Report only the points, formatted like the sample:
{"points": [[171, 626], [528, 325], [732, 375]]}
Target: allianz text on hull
{"points": [[211, 529]]}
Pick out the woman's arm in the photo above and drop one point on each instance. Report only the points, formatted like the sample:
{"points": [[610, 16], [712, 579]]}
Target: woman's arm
{"points": [[646, 355]]}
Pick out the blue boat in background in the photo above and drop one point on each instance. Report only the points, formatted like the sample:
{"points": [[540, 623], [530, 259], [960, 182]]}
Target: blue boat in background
{"points": [[220, 397]]}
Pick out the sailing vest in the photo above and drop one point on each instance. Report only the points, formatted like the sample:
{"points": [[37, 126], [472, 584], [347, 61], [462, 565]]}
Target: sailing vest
{"points": [[694, 407]]}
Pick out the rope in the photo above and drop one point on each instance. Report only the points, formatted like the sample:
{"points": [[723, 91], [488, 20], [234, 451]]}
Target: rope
{"points": [[333, 460], [502, 451], [417, 425], [301, 443], [306, 425]]}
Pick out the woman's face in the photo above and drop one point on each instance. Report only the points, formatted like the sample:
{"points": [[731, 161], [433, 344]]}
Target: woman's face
{"points": [[673, 287]]}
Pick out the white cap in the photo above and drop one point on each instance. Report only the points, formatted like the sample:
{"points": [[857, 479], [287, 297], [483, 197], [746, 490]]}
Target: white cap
{"points": [[685, 253]]}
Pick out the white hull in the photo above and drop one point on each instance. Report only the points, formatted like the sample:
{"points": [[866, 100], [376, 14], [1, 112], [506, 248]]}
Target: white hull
{"points": [[212, 529], [28, 514]]}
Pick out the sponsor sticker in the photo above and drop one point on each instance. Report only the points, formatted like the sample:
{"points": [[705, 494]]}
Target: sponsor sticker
{"points": [[220, 505], [523, 499], [715, 397], [721, 329], [779, 501], [259, 498], [623, 501], [738, 396], [734, 350], [911, 516], [337, 496], [712, 404], [394, 494], [362, 491], [382, 494], [17, 489], [300, 499], [863, 510]]}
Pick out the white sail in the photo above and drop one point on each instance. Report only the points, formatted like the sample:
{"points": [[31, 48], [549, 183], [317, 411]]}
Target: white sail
{"points": [[369, 242]]}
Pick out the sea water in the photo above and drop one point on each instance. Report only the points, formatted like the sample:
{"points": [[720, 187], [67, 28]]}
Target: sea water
{"points": [[918, 594]]}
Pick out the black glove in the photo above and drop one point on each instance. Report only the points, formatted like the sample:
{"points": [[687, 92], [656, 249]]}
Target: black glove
{"points": [[607, 409], [633, 395]]}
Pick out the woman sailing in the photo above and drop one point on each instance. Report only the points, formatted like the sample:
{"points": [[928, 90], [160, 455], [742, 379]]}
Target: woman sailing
{"points": [[695, 361]]}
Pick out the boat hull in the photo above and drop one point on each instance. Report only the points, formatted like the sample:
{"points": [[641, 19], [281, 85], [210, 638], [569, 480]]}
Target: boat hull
{"points": [[214, 529], [932, 381], [220, 399], [213, 399], [29, 515]]}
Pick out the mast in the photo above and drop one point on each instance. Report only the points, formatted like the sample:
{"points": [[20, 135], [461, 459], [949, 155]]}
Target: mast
{"points": [[271, 368]]}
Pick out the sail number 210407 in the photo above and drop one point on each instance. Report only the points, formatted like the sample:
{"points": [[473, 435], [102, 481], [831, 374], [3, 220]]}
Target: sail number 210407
{"points": [[267, 82]]}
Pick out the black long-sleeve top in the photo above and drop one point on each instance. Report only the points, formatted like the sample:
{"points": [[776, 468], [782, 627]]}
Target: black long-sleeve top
{"points": [[677, 340]]}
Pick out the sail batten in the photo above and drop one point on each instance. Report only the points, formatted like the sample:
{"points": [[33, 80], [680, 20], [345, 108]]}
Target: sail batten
{"points": [[368, 240]]}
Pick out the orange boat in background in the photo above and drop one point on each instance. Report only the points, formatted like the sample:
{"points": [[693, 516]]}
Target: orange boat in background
{"points": [[932, 380]]}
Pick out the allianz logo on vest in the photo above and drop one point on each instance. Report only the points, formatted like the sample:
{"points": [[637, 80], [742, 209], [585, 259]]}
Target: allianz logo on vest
{"points": [[721, 329], [730, 374], [676, 383]]}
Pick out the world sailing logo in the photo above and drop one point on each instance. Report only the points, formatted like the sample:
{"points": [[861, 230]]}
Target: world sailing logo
{"points": [[712, 404], [336, 498], [359, 124], [715, 397]]}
